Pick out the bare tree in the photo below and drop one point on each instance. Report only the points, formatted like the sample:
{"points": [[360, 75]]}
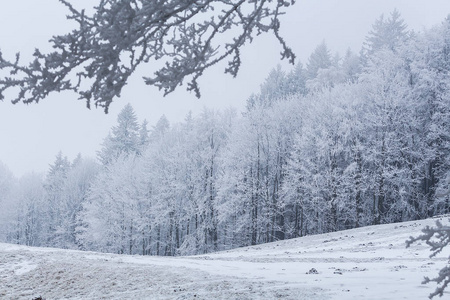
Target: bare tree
{"points": [[97, 59]]}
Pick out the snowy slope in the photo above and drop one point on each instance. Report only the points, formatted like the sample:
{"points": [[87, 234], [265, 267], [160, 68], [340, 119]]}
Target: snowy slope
{"points": [[364, 263]]}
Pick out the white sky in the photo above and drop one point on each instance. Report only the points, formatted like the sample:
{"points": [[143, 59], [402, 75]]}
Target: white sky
{"points": [[32, 135]]}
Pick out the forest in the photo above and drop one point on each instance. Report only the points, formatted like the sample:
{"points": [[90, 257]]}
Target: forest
{"points": [[338, 143]]}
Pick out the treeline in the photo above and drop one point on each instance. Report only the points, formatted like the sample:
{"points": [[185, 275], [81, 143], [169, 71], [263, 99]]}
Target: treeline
{"points": [[337, 144]]}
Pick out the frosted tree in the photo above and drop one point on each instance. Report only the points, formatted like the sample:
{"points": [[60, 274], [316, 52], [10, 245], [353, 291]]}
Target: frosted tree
{"points": [[144, 138], [326, 78], [124, 138], [27, 213], [109, 220], [319, 59], [324, 72], [160, 128], [204, 139], [7, 182], [279, 86], [66, 186], [252, 209], [238, 209], [296, 80], [168, 201], [386, 33], [396, 143], [55, 206], [273, 88], [96, 59], [303, 184], [212, 134], [6, 177], [180, 167], [76, 186], [283, 122], [355, 179], [429, 79], [351, 66], [317, 163], [43, 211]]}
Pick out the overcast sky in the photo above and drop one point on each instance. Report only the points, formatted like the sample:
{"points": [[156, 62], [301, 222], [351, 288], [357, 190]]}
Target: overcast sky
{"points": [[32, 135]]}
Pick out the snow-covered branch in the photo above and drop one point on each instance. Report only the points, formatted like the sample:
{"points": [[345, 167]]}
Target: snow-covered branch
{"points": [[97, 59]]}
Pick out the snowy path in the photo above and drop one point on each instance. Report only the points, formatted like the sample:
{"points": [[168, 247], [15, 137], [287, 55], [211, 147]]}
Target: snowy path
{"points": [[364, 263]]}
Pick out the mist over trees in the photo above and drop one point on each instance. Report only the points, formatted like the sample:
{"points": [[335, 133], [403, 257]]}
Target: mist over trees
{"points": [[334, 144]]}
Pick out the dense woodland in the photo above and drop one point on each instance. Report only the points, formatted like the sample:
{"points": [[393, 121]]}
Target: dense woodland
{"points": [[340, 142]]}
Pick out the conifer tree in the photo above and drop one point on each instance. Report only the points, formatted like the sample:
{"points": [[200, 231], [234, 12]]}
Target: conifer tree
{"points": [[386, 33], [124, 138], [55, 206], [319, 59]]}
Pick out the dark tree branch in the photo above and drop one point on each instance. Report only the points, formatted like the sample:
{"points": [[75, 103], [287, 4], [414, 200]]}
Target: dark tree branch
{"points": [[97, 59], [437, 238]]}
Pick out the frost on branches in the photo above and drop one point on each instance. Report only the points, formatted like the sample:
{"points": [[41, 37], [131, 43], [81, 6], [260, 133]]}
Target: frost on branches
{"points": [[96, 59], [437, 238]]}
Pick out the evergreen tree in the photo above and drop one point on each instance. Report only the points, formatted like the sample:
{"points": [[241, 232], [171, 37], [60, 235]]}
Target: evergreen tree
{"points": [[144, 138], [319, 59], [55, 202], [296, 80], [161, 127], [351, 66], [388, 34], [124, 138], [274, 87]]}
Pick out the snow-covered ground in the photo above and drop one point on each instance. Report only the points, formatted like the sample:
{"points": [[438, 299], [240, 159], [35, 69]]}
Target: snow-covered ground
{"points": [[364, 263]]}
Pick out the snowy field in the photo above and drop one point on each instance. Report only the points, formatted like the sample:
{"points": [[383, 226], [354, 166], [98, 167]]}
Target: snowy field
{"points": [[364, 263]]}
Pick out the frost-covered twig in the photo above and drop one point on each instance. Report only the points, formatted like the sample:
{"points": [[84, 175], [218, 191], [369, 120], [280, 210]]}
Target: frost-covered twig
{"points": [[97, 59], [437, 238]]}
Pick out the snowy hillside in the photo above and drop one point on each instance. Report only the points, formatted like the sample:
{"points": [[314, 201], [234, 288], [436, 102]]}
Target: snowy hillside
{"points": [[364, 263]]}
